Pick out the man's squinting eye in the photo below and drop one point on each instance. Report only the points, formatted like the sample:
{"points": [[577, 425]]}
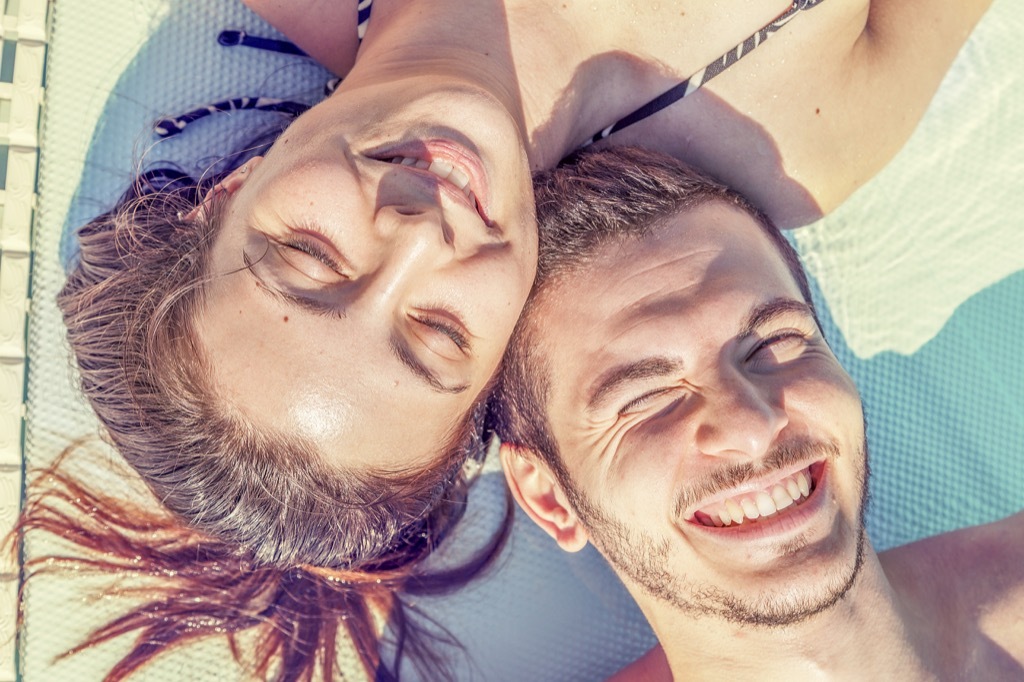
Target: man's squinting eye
{"points": [[311, 259], [651, 398], [781, 347]]}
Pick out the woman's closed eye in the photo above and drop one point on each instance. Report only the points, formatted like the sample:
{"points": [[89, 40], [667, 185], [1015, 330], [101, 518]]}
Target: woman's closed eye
{"points": [[311, 259], [440, 336]]}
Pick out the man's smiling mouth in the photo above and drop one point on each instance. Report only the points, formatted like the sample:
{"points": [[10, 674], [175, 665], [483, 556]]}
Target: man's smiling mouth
{"points": [[749, 507]]}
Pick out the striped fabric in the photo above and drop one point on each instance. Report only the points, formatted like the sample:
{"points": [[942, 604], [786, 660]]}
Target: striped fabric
{"points": [[173, 125], [364, 17], [697, 80]]}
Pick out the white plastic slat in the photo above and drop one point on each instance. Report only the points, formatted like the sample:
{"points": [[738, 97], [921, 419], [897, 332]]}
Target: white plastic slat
{"points": [[8, 623], [23, 98], [14, 277], [27, 94], [12, 411]]}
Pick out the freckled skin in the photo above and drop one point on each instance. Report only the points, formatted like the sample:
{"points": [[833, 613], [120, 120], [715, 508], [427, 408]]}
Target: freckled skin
{"points": [[413, 252]]}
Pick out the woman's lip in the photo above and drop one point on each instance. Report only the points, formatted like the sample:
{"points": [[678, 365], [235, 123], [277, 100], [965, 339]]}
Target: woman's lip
{"points": [[455, 153]]}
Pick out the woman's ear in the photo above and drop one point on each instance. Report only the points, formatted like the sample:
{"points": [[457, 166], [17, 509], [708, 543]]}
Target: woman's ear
{"points": [[539, 494], [239, 176], [230, 184]]}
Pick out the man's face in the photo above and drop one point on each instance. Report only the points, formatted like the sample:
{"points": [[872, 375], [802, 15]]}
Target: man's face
{"points": [[716, 443]]}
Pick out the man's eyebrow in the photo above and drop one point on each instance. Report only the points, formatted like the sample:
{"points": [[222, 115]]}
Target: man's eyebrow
{"points": [[401, 350], [658, 366], [615, 377], [777, 307]]}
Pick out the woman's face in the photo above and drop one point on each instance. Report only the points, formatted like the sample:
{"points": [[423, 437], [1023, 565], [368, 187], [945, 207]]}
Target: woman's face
{"points": [[360, 299]]}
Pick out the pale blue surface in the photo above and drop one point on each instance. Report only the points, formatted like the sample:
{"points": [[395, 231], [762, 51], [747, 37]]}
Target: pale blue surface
{"points": [[946, 424]]}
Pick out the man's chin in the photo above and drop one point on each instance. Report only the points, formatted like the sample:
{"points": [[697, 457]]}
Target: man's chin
{"points": [[794, 604]]}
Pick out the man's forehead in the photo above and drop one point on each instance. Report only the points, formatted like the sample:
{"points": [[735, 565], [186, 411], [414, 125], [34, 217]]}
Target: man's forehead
{"points": [[686, 246], [713, 255]]}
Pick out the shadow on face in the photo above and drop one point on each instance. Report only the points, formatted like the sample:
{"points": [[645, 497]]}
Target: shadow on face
{"points": [[365, 281]]}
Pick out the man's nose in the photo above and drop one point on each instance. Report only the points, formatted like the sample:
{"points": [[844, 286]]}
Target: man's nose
{"points": [[740, 417]]}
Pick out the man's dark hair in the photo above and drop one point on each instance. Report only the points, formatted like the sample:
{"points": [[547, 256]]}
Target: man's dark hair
{"points": [[598, 198]]}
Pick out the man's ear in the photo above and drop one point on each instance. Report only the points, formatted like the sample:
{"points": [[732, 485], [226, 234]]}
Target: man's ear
{"points": [[538, 493], [230, 184]]}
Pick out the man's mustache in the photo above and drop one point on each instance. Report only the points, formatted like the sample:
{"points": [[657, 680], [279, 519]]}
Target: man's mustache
{"points": [[782, 455]]}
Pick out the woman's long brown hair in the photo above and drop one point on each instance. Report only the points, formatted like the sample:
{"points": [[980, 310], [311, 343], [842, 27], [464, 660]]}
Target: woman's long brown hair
{"points": [[249, 530], [198, 587]]}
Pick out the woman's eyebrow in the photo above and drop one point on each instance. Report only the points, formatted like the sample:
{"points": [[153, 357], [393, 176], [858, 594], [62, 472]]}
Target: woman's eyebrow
{"points": [[401, 350]]}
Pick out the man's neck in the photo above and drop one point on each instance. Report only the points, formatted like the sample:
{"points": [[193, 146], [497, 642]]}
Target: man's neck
{"points": [[869, 634]]}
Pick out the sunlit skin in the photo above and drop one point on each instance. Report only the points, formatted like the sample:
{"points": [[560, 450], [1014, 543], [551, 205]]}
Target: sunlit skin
{"points": [[520, 84], [729, 364], [362, 304], [726, 366], [796, 125], [728, 392]]}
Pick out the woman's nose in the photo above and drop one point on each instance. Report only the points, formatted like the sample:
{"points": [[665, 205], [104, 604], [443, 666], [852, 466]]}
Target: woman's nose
{"points": [[413, 243], [413, 222]]}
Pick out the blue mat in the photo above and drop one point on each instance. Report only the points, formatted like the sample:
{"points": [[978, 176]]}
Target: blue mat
{"points": [[932, 344]]}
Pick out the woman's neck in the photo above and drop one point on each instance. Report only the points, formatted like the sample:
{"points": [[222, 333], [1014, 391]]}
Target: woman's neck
{"points": [[510, 48]]}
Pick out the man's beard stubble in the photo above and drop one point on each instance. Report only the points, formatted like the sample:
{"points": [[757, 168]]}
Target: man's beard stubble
{"points": [[643, 559]]}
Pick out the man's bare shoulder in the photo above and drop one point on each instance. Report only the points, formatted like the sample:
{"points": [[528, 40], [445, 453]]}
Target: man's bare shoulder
{"points": [[995, 572], [1009, 527], [971, 583], [651, 667]]}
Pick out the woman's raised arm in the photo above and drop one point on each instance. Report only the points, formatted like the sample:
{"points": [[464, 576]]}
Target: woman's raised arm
{"points": [[324, 29]]}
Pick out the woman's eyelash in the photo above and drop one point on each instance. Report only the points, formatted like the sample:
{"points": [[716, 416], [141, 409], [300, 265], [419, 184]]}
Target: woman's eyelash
{"points": [[316, 251], [451, 332]]}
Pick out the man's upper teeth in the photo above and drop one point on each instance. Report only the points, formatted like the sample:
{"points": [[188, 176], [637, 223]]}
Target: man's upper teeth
{"points": [[442, 169], [749, 506]]}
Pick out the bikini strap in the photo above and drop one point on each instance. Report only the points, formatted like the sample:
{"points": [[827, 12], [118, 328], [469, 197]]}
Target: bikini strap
{"points": [[363, 7], [697, 80]]}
